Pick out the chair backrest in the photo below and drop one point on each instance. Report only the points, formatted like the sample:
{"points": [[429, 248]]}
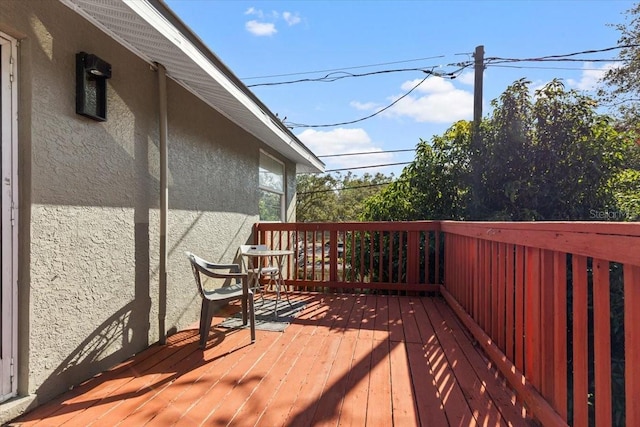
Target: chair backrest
{"points": [[200, 265]]}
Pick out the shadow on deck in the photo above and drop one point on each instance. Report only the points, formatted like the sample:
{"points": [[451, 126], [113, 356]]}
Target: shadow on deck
{"points": [[347, 359]]}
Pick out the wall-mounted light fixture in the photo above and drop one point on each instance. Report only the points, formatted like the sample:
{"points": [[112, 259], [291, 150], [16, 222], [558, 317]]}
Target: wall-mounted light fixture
{"points": [[91, 86]]}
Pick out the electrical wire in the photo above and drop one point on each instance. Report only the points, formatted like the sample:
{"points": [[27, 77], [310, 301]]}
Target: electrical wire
{"points": [[332, 77], [622, 101], [355, 187], [451, 75], [343, 68], [533, 67], [367, 152], [299, 125], [488, 62], [565, 56], [509, 60], [366, 167]]}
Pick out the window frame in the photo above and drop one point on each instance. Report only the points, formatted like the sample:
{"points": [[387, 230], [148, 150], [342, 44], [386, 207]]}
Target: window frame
{"points": [[281, 193]]}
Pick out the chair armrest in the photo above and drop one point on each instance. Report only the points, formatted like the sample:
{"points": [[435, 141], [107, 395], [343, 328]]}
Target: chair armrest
{"points": [[227, 275], [234, 268]]}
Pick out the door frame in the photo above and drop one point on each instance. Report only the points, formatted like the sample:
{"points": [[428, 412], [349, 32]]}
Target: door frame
{"points": [[9, 215]]}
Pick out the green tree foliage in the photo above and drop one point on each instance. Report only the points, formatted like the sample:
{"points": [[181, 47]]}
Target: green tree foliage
{"points": [[335, 198], [622, 91], [622, 82], [433, 186], [546, 156]]}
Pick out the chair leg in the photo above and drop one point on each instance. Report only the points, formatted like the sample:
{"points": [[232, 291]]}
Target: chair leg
{"points": [[284, 288], [244, 310], [252, 317], [257, 286], [205, 323]]}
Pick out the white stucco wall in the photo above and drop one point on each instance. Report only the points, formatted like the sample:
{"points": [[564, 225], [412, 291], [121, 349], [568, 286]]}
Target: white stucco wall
{"points": [[89, 241]]}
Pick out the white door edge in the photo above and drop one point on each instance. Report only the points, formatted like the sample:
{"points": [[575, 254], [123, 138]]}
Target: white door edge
{"points": [[9, 215]]}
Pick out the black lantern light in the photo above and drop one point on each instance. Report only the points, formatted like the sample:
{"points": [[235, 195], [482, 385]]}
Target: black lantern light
{"points": [[91, 86]]}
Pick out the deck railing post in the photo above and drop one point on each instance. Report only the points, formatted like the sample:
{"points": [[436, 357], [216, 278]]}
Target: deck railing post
{"points": [[333, 256]]}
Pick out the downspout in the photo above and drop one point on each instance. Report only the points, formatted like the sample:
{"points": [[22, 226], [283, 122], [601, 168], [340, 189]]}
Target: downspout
{"points": [[164, 204]]}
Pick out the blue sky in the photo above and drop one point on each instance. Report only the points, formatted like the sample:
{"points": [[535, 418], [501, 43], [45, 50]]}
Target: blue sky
{"points": [[277, 41]]}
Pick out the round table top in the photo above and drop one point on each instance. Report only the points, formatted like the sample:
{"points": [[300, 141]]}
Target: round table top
{"points": [[268, 252]]}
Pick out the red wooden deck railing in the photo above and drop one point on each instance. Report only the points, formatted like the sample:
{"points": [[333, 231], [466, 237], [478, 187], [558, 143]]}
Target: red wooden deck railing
{"points": [[537, 297], [375, 255]]}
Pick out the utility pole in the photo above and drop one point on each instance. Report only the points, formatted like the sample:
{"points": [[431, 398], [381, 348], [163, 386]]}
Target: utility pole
{"points": [[476, 139], [478, 56]]}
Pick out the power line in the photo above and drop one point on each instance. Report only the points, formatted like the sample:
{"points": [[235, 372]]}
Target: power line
{"points": [[564, 57], [491, 60], [451, 75], [355, 187], [366, 167], [488, 62], [332, 77], [510, 60], [343, 68], [542, 58], [367, 152], [298, 125], [622, 101], [544, 68]]}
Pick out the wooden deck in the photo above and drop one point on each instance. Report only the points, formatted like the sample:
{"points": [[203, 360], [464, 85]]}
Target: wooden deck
{"points": [[346, 360]]}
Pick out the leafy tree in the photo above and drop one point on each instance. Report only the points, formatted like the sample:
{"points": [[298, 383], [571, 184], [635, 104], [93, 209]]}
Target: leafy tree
{"points": [[335, 198], [543, 157], [316, 197], [548, 158], [622, 91], [623, 81], [502, 161], [433, 186]]}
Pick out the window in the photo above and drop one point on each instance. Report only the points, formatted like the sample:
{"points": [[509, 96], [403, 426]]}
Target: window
{"points": [[271, 188]]}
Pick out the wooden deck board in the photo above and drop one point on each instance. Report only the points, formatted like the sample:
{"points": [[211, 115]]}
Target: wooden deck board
{"points": [[455, 406], [502, 397], [484, 411], [358, 360]]}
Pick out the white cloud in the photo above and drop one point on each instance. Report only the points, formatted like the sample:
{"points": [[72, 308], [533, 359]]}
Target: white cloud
{"points": [[366, 106], [261, 28], [265, 24], [342, 141], [591, 76], [436, 100], [431, 85], [291, 18], [467, 78], [336, 141]]}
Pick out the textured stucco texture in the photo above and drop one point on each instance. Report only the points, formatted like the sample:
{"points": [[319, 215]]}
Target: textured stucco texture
{"points": [[89, 244]]}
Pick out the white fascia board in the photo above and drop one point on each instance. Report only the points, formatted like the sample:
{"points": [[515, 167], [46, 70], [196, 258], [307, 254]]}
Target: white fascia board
{"points": [[154, 18]]}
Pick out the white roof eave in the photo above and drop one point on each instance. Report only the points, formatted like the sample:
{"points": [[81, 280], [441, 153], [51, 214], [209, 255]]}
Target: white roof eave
{"points": [[148, 32]]}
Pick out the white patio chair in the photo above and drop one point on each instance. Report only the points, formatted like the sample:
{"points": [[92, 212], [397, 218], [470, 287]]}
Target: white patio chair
{"points": [[237, 289]]}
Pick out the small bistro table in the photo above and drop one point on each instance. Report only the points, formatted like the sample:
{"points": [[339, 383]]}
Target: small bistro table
{"points": [[259, 255]]}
